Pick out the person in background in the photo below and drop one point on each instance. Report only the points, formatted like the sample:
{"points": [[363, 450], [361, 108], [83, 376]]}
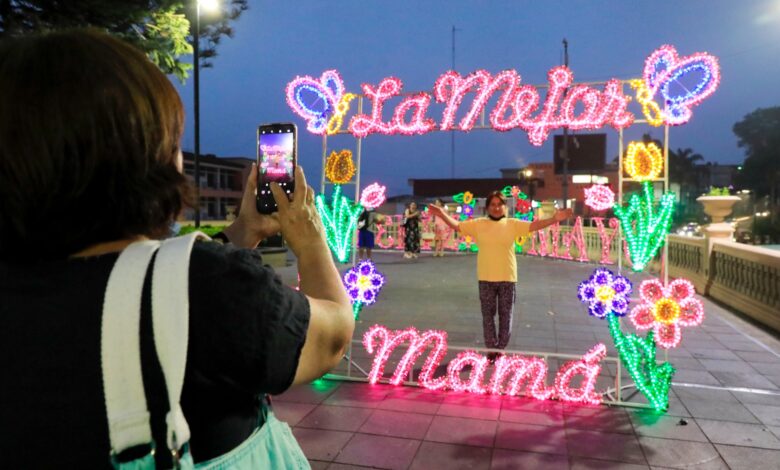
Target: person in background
{"points": [[440, 230], [91, 165], [495, 236], [411, 231], [367, 231]]}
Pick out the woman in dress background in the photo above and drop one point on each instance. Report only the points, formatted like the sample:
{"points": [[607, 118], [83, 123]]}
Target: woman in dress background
{"points": [[411, 231]]}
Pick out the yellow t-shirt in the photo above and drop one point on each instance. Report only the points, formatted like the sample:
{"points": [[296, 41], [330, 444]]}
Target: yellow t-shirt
{"points": [[496, 260]]}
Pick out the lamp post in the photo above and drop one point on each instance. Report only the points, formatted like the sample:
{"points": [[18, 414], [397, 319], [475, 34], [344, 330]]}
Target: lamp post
{"points": [[208, 5], [528, 175]]}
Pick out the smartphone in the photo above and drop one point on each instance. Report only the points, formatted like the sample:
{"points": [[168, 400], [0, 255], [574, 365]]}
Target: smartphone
{"points": [[277, 156]]}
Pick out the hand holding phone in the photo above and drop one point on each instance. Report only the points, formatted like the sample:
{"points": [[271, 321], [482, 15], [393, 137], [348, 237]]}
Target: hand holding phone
{"points": [[277, 157]]}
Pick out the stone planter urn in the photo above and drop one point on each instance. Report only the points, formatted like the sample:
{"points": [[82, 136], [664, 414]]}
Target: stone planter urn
{"points": [[718, 208]]}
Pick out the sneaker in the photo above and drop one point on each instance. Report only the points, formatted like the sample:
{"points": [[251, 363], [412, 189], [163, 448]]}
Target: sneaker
{"points": [[414, 255], [407, 255], [492, 356]]}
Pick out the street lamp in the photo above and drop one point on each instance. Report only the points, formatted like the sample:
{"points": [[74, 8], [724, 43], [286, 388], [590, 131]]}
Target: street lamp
{"points": [[208, 6], [528, 174]]}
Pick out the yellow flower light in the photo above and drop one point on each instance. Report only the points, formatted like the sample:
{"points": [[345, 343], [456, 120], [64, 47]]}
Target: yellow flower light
{"points": [[339, 168], [605, 294], [643, 162], [666, 311], [467, 197]]}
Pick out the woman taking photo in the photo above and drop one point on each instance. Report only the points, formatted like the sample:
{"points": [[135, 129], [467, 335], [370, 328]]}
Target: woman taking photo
{"points": [[90, 177]]}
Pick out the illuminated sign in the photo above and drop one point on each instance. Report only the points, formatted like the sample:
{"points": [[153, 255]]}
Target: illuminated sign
{"points": [[518, 106]]}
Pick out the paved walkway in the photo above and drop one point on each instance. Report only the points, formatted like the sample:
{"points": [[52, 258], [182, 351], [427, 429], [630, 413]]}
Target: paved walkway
{"points": [[724, 408]]}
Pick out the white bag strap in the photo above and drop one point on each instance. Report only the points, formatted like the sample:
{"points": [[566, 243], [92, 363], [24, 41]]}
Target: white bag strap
{"points": [[120, 349], [170, 319]]}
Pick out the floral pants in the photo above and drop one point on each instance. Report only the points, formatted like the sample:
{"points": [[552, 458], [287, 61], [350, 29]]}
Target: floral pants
{"points": [[497, 297]]}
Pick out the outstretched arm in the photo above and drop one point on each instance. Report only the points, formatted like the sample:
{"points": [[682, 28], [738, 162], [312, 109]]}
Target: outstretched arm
{"points": [[559, 216], [439, 212]]}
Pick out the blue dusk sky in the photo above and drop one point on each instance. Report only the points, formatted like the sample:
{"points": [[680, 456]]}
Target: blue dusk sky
{"points": [[369, 40]]}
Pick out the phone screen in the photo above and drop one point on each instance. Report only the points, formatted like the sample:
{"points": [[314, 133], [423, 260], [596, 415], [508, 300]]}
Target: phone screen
{"points": [[276, 160], [276, 157]]}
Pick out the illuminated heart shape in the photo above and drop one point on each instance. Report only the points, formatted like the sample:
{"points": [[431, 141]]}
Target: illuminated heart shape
{"points": [[664, 67], [315, 100], [643, 162]]}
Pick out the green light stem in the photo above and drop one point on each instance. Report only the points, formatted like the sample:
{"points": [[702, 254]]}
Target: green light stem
{"points": [[638, 356], [340, 221], [645, 229], [357, 306]]}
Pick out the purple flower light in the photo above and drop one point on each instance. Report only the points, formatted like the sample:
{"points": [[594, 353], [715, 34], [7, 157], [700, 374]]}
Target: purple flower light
{"points": [[363, 282], [605, 292]]}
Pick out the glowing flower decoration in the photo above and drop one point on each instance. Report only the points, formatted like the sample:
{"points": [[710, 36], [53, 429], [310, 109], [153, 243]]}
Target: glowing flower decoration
{"points": [[605, 292], [599, 197], [644, 161], [339, 167], [515, 191], [363, 283], [523, 206], [667, 310], [467, 197], [468, 211], [373, 196]]}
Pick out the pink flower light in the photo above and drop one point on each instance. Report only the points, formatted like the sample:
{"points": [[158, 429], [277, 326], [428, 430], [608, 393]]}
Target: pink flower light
{"points": [[373, 196], [599, 197], [667, 310]]}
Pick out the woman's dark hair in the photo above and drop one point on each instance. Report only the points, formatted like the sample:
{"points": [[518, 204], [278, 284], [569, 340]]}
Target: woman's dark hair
{"points": [[492, 195], [89, 145]]}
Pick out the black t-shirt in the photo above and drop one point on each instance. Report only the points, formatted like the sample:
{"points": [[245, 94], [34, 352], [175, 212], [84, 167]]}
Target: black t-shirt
{"points": [[246, 334]]}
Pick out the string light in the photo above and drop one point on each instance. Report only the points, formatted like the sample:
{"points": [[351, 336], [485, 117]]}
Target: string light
{"points": [[511, 372], [361, 125], [667, 309], [468, 197], [650, 109], [605, 292], [340, 222], [664, 67], [533, 369], [342, 108], [419, 124], [363, 283], [606, 240], [644, 228], [578, 237], [339, 167], [589, 367], [328, 90], [478, 365], [373, 196], [644, 161], [599, 197], [381, 231], [638, 356]]}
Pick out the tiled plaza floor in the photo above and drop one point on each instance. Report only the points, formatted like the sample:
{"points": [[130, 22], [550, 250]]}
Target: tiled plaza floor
{"points": [[724, 408]]}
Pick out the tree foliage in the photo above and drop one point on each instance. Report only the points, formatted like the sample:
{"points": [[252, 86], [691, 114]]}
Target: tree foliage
{"points": [[160, 28], [759, 134]]}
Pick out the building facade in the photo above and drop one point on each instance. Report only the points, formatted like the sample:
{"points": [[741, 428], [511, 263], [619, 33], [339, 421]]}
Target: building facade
{"points": [[222, 182]]}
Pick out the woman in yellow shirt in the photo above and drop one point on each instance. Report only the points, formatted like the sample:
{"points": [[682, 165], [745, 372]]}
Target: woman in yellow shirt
{"points": [[496, 263]]}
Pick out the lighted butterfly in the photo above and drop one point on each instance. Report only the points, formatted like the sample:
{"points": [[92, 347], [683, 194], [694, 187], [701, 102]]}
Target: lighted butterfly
{"points": [[315, 100], [682, 81]]}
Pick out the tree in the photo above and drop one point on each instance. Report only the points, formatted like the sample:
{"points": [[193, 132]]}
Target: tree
{"points": [[759, 135], [160, 28], [682, 166]]}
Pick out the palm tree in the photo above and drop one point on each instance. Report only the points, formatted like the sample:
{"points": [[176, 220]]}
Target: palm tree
{"points": [[682, 166]]}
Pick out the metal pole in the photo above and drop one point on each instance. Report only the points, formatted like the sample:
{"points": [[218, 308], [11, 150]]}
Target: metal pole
{"points": [[665, 256], [452, 132], [196, 83], [620, 201], [565, 135]]}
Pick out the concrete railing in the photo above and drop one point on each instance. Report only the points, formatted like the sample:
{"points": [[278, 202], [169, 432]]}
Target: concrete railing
{"points": [[688, 259], [746, 278]]}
